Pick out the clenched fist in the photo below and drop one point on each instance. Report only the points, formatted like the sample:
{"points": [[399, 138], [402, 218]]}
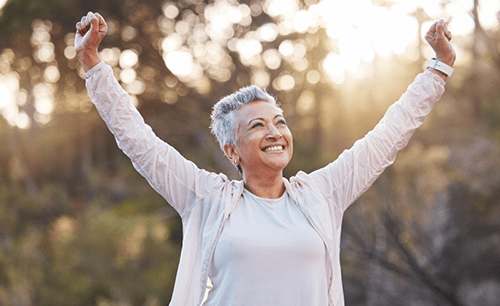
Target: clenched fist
{"points": [[90, 31]]}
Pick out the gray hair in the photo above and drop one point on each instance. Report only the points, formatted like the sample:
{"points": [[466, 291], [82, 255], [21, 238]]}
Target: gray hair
{"points": [[224, 125]]}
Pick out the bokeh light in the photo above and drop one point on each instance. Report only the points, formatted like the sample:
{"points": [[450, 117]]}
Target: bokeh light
{"points": [[179, 62], [6, 95], [23, 121], [128, 58], [268, 32], [196, 48]]}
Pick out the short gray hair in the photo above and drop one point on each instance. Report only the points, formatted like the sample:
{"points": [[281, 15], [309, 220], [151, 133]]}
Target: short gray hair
{"points": [[224, 125]]}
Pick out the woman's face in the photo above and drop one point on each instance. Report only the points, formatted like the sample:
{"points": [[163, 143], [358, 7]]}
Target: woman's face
{"points": [[264, 140]]}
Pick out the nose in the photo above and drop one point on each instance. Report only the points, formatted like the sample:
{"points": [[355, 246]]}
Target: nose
{"points": [[273, 133]]}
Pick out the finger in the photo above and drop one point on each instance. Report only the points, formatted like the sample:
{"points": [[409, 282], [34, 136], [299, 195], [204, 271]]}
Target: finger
{"points": [[87, 19], [429, 36], [432, 29], [84, 25], [80, 28], [448, 35], [448, 32], [431, 33], [440, 28]]}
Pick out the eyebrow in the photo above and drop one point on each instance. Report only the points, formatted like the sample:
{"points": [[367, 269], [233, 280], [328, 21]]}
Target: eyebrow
{"points": [[259, 118]]}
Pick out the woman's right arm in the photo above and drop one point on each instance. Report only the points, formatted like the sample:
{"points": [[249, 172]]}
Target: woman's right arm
{"points": [[178, 180]]}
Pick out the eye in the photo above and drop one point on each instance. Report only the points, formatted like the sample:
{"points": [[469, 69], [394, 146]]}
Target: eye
{"points": [[281, 121], [257, 124]]}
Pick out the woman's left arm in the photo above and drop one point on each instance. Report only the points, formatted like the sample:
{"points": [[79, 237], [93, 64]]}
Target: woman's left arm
{"points": [[356, 169]]}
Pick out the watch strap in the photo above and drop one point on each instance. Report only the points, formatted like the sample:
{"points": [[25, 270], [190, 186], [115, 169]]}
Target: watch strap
{"points": [[440, 66]]}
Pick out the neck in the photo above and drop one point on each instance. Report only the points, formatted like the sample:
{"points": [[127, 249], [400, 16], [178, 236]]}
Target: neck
{"points": [[271, 187]]}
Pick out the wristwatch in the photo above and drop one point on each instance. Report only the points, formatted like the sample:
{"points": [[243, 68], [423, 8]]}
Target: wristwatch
{"points": [[440, 66]]}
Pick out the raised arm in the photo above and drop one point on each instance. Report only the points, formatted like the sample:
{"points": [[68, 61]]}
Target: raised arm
{"points": [[178, 180], [356, 169]]}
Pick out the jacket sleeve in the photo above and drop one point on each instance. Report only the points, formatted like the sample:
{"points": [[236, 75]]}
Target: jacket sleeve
{"points": [[178, 180], [356, 169]]}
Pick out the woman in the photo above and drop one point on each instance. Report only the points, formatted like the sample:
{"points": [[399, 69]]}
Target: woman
{"points": [[263, 240]]}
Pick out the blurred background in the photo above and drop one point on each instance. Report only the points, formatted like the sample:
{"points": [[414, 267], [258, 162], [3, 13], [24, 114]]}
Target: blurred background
{"points": [[79, 226]]}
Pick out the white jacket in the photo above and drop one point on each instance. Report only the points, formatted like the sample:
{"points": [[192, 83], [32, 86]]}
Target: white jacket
{"points": [[204, 200]]}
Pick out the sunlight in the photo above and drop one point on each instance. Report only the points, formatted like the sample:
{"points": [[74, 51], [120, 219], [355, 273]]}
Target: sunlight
{"points": [[128, 59], [268, 32], [51, 74], [302, 21], [23, 121], [488, 13], [248, 48], [360, 31], [221, 17], [6, 95], [44, 105], [334, 68], [9, 87], [282, 8], [180, 63]]}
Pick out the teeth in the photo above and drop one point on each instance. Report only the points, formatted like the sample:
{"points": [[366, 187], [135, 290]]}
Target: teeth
{"points": [[275, 148]]}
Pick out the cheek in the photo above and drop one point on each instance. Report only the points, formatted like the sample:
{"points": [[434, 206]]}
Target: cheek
{"points": [[290, 140], [247, 145], [287, 133]]}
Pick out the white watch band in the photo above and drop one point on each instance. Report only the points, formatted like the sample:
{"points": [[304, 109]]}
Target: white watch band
{"points": [[440, 66]]}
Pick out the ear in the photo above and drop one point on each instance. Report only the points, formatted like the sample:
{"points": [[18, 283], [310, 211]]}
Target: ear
{"points": [[230, 151]]}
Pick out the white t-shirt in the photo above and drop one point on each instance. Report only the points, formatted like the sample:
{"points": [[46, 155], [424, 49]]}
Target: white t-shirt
{"points": [[268, 254]]}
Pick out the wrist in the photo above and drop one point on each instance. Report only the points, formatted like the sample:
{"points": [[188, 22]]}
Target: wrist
{"points": [[440, 68], [447, 60], [88, 59]]}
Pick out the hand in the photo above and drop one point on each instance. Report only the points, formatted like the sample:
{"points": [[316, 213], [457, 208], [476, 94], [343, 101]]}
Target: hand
{"points": [[90, 31], [439, 38]]}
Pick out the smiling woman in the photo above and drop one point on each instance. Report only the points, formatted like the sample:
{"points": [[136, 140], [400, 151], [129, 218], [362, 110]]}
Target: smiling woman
{"points": [[262, 239]]}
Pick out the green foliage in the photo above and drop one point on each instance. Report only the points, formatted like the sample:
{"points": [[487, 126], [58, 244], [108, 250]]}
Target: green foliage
{"points": [[79, 260], [17, 15], [147, 203], [491, 112], [103, 254]]}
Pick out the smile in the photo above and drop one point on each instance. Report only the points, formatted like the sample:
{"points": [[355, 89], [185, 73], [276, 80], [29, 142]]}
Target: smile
{"points": [[274, 149]]}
